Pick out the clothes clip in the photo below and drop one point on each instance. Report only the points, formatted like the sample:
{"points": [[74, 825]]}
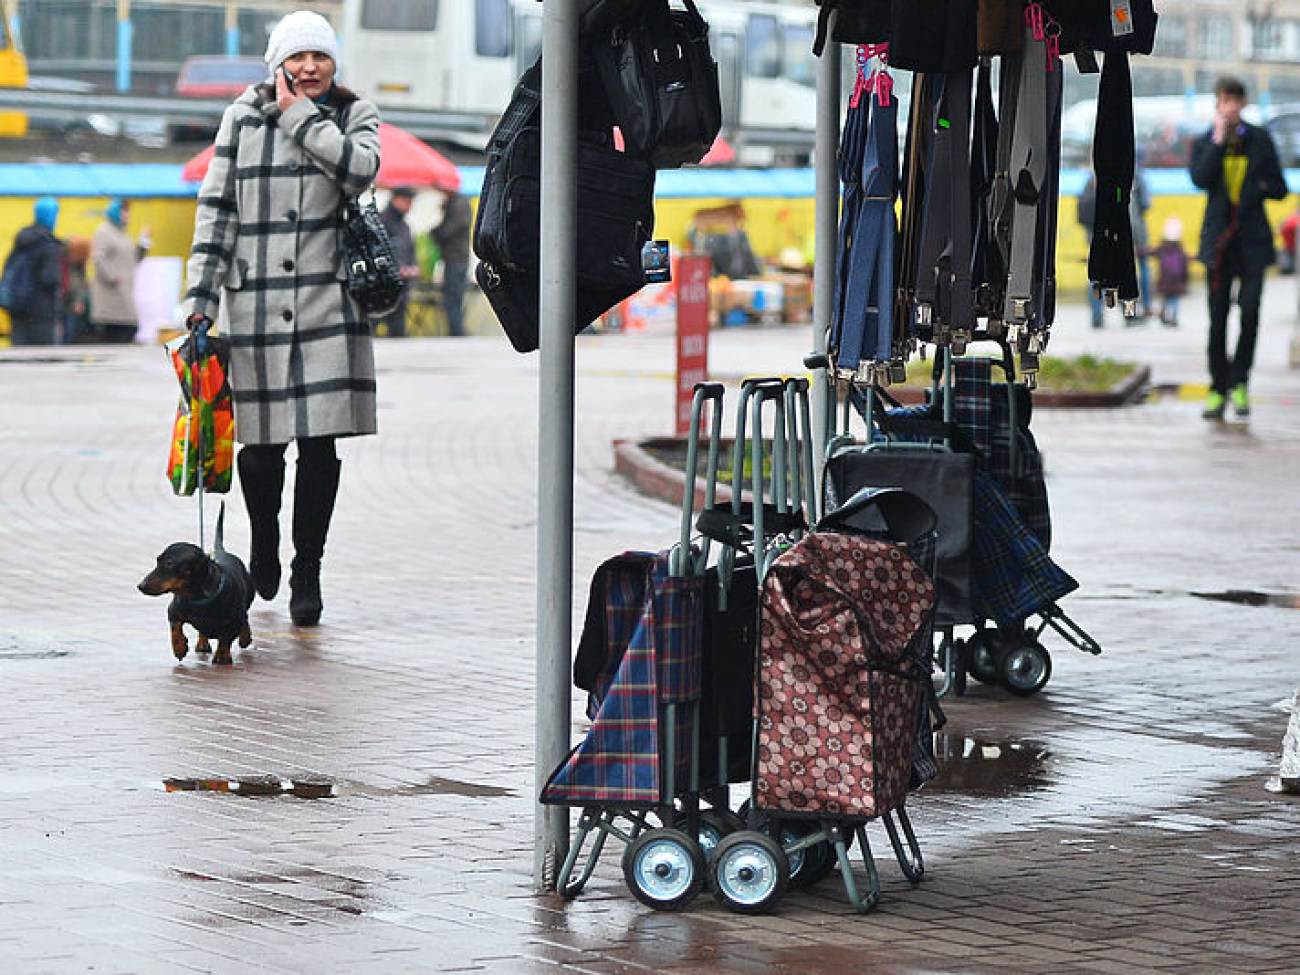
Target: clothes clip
{"points": [[884, 88], [862, 82], [1052, 34], [1034, 20]]}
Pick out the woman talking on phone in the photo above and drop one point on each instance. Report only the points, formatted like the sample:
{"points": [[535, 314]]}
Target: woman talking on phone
{"points": [[267, 255]]}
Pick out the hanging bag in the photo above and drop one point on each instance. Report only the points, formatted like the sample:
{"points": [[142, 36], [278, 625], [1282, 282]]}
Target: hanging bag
{"points": [[662, 84], [374, 277]]}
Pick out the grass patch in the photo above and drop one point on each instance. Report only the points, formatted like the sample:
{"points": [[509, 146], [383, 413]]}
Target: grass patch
{"points": [[1059, 374]]}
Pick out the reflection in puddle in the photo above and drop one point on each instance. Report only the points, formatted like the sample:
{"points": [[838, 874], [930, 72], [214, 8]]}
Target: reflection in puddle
{"points": [[270, 785], [1246, 597], [987, 768]]}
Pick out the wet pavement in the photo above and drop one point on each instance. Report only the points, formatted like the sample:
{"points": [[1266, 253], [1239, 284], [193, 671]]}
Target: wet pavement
{"points": [[358, 797]]}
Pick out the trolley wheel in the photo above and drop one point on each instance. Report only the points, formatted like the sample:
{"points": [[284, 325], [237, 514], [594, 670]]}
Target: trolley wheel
{"points": [[750, 872], [714, 826], [819, 863], [664, 868], [981, 657], [804, 862], [1026, 668]]}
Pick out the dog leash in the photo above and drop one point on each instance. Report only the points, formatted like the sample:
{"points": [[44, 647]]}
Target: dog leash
{"points": [[198, 328]]}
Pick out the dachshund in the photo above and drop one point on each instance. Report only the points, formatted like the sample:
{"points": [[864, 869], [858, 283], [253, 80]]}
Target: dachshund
{"points": [[210, 594]]}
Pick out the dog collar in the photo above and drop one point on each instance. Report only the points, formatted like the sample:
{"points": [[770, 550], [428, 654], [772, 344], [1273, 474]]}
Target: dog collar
{"points": [[221, 587]]}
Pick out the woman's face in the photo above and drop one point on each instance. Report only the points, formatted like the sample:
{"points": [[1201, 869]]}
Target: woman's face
{"points": [[312, 72]]}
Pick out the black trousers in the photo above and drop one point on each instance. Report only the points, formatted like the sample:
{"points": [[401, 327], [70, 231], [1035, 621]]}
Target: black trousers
{"points": [[1227, 372]]}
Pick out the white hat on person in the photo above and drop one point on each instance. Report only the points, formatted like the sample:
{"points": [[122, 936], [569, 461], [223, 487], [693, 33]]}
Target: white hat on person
{"points": [[302, 30]]}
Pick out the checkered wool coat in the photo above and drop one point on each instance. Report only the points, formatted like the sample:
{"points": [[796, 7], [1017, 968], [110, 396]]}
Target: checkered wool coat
{"points": [[268, 254]]}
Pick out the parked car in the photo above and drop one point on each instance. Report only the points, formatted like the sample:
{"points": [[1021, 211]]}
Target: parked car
{"points": [[218, 76]]}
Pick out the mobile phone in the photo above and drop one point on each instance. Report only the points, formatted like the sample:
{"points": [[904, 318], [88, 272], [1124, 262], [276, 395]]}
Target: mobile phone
{"points": [[288, 78]]}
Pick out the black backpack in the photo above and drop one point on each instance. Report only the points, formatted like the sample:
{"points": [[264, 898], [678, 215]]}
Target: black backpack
{"points": [[615, 218]]}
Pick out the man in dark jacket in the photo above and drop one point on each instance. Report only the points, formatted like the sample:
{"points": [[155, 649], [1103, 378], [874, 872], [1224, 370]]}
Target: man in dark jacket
{"points": [[393, 218], [41, 254], [1237, 166], [452, 235]]}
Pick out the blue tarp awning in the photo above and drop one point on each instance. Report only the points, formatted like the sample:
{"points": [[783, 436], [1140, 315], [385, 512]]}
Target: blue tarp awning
{"points": [[145, 180]]}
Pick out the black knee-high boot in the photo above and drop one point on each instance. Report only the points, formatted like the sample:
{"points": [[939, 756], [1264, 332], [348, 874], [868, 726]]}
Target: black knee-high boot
{"points": [[314, 492], [261, 478]]}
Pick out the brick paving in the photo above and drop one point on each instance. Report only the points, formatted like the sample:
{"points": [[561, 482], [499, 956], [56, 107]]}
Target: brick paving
{"points": [[1116, 821]]}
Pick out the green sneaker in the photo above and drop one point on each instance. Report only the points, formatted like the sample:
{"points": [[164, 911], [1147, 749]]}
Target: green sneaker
{"points": [[1240, 401], [1214, 404]]}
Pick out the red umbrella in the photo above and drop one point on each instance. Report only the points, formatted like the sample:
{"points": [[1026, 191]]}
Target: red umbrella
{"points": [[719, 153], [403, 161]]}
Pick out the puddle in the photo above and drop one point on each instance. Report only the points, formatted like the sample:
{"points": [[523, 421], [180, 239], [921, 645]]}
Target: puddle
{"points": [[1246, 597], [990, 769], [270, 785], [12, 649]]}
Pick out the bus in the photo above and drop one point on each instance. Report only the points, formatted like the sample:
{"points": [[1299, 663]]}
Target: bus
{"points": [[464, 57]]}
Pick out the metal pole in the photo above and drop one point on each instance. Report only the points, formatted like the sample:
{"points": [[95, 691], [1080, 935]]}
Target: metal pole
{"points": [[826, 231], [123, 45], [555, 424], [232, 28]]}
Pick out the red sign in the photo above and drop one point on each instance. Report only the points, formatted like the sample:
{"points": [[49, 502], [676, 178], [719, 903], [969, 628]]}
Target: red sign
{"points": [[692, 275]]}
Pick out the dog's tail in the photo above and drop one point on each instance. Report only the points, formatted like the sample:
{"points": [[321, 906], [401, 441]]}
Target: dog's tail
{"points": [[221, 518]]}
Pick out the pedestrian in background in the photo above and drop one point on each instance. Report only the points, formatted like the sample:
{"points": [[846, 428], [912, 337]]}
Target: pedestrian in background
{"points": [[1236, 164], [452, 237], [76, 291], [33, 278], [393, 217], [267, 244], [1172, 270], [1139, 202], [113, 258]]}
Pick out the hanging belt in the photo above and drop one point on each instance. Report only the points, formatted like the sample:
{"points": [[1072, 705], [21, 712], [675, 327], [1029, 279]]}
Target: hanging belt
{"points": [[943, 289], [1028, 173], [1111, 263]]}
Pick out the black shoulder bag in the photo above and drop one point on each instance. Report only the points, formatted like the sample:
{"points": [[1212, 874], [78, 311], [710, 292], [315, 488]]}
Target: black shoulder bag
{"points": [[662, 84], [374, 278]]}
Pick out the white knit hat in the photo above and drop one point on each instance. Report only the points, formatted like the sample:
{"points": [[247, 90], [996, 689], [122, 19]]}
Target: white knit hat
{"points": [[302, 30]]}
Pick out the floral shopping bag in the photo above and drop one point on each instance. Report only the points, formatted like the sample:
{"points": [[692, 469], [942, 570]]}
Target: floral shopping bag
{"points": [[203, 435]]}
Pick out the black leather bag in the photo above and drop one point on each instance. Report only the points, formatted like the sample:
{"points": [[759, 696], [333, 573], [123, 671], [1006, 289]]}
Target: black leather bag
{"points": [[662, 84], [374, 277]]}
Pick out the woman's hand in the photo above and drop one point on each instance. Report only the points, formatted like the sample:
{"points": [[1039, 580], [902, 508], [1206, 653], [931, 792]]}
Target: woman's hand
{"points": [[286, 93]]}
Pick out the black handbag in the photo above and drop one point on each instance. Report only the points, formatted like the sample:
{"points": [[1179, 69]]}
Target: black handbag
{"points": [[662, 84], [374, 279]]}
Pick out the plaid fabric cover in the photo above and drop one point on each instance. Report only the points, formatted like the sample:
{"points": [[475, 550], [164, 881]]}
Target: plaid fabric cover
{"points": [[653, 633], [839, 686], [982, 409], [1012, 575]]}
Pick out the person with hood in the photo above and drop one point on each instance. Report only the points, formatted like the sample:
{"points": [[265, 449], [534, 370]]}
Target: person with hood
{"points": [[34, 274], [113, 257], [1236, 164], [267, 255]]}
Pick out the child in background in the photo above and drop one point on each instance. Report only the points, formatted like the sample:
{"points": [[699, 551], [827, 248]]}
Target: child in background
{"points": [[76, 292], [1172, 267]]}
